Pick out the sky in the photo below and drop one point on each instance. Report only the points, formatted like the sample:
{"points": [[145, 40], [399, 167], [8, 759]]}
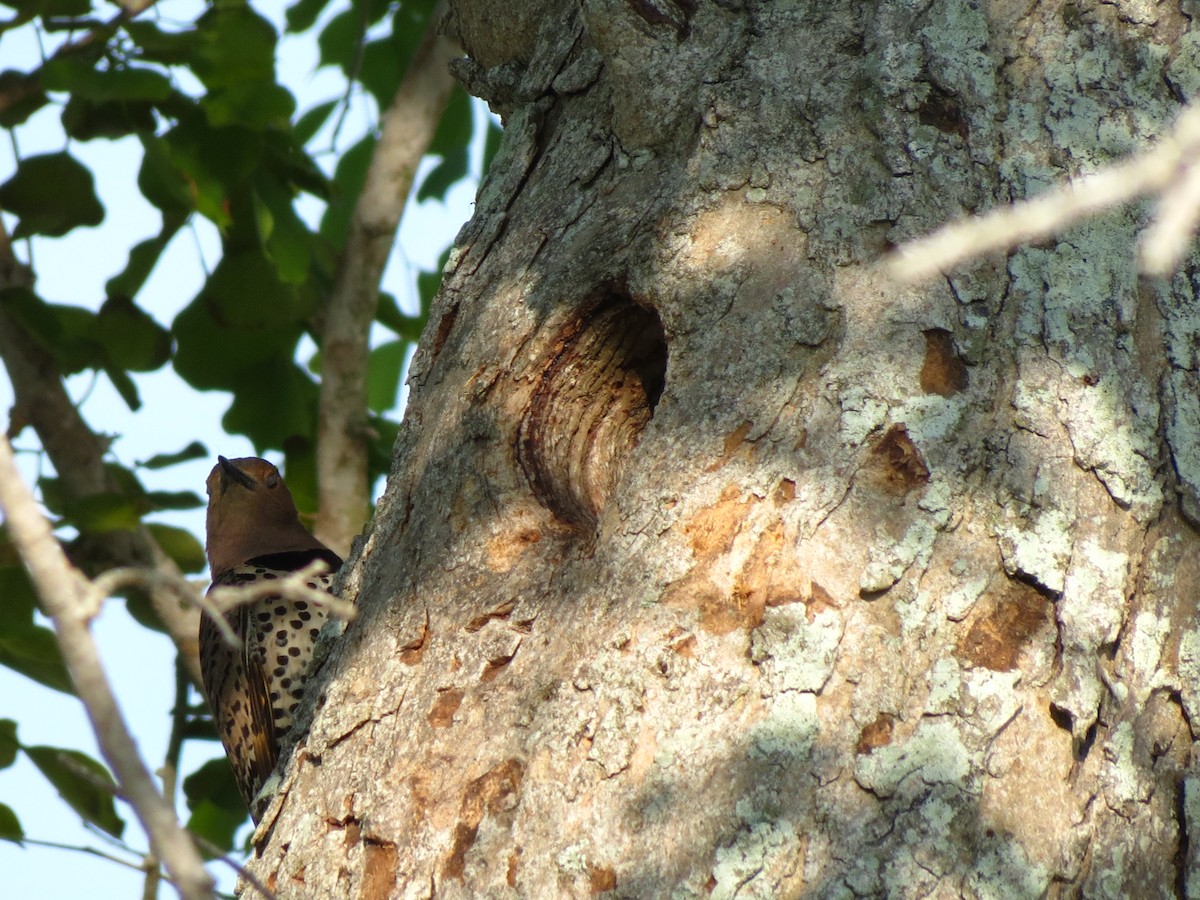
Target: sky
{"points": [[73, 270]]}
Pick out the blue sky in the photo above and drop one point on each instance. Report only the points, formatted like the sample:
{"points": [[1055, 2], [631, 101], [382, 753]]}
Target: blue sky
{"points": [[73, 270]]}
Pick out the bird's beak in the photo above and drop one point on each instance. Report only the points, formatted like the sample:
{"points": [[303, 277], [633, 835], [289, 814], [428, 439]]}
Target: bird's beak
{"points": [[230, 472]]}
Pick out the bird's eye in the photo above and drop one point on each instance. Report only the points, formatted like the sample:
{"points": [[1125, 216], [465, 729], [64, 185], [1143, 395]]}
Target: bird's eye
{"points": [[273, 479]]}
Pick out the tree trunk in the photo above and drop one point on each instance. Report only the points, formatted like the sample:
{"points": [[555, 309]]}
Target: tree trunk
{"points": [[711, 563]]}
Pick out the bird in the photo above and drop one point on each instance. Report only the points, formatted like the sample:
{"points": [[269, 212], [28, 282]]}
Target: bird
{"points": [[254, 688]]}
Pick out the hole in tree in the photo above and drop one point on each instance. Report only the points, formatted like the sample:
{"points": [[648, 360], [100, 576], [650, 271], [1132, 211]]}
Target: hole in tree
{"points": [[599, 388]]}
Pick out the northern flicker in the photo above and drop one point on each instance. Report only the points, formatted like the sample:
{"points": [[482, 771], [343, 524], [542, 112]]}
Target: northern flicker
{"points": [[254, 533]]}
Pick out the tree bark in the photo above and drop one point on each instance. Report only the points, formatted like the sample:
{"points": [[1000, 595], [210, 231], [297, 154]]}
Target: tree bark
{"points": [[714, 564]]}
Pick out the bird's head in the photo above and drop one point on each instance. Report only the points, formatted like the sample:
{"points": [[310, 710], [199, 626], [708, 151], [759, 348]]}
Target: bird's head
{"points": [[251, 513]]}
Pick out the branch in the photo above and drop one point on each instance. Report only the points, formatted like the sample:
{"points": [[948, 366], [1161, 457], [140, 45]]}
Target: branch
{"points": [[407, 129], [69, 599], [294, 587], [77, 454], [1171, 170]]}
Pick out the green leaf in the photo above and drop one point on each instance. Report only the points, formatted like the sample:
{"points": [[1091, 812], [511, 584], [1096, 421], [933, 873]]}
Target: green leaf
{"points": [[217, 807], [174, 500], [8, 743], [194, 450], [64, 9], [291, 163], [286, 237], [65, 332], [179, 544], [78, 77], [83, 783], [383, 374], [101, 513], [85, 120], [339, 41], [124, 386], [245, 292], [311, 121], [209, 355], [142, 260], [253, 104], [52, 194], [272, 404], [156, 45], [300, 472], [303, 14], [24, 97], [162, 182], [236, 45], [10, 825], [33, 652], [132, 339]]}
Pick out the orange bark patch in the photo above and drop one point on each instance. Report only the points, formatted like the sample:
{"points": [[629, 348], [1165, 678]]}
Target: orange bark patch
{"points": [[818, 601], [602, 878], [441, 715], [876, 734], [514, 862], [899, 464], [500, 612], [685, 646], [490, 793], [411, 652], [712, 530], [771, 576], [379, 870], [1002, 624], [494, 667], [785, 491], [944, 372], [504, 549]]}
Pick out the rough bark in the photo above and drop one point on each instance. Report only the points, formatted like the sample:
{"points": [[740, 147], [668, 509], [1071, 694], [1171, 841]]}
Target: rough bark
{"points": [[713, 564]]}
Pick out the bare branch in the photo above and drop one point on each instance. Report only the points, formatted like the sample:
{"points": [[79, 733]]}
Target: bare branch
{"points": [[77, 454], [407, 128], [1171, 169], [66, 598], [294, 587]]}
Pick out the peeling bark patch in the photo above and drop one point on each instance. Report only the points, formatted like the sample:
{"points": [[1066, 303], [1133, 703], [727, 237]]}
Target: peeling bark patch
{"points": [[492, 793], [818, 601], [444, 707], [944, 372], [445, 323], [602, 878], [785, 492], [598, 389], [411, 653], [733, 441], [503, 611], [379, 870], [876, 734], [712, 530], [464, 839], [1002, 626], [514, 862], [494, 667], [941, 111], [902, 468]]}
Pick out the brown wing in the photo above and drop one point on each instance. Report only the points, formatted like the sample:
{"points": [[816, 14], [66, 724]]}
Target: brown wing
{"points": [[265, 744], [240, 700]]}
